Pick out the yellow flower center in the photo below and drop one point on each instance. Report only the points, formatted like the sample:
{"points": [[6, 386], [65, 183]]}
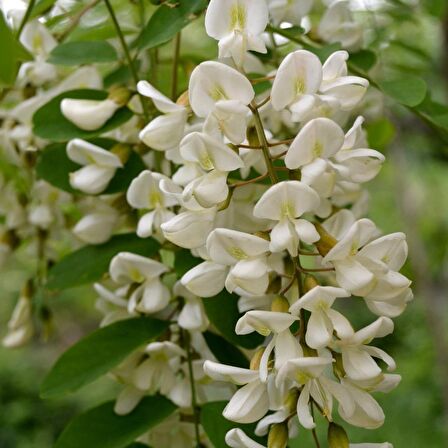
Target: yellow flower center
{"points": [[238, 253], [237, 18], [300, 86], [217, 93]]}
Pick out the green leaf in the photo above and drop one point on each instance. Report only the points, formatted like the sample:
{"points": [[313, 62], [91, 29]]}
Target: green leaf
{"points": [[409, 90], [99, 352], [41, 7], [185, 261], [224, 351], [216, 426], [89, 263], [50, 124], [167, 21], [83, 52], [222, 310], [363, 59], [436, 114], [12, 54], [380, 133], [100, 427], [56, 155], [324, 52]]}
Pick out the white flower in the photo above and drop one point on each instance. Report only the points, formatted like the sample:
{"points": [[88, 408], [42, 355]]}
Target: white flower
{"points": [[246, 256], [286, 346], [308, 372], [206, 279], [20, 326], [228, 118], [238, 25], [212, 82], [348, 90], [88, 115], [193, 316], [318, 140], [152, 295], [144, 194], [208, 190], [338, 25], [189, 229], [237, 438], [370, 268], [286, 202], [250, 402], [157, 373], [357, 356], [291, 11], [297, 80], [355, 162], [96, 228], [209, 153], [99, 166], [323, 320], [367, 413], [166, 131]]}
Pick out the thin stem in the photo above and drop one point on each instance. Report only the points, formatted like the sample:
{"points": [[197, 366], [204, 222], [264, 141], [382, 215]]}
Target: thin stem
{"points": [[305, 270], [153, 55], [174, 77], [316, 440], [127, 54], [250, 181], [194, 403], [282, 142], [262, 79], [265, 101], [264, 143], [313, 431], [76, 18], [26, 17]]}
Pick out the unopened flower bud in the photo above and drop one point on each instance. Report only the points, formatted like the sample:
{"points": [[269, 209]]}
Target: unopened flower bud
{"points": [[119, 95], [252, 136], [291, 400], [326, 242], [183, 99], [337, 437], [310, 283], [278, 436], [280, 305], [122, 151], [89, 115], [256, 359]]}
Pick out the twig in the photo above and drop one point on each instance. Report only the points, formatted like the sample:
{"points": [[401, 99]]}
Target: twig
{"points": [[264, 143], [194, 403], [127, 54], [26, 17], [174, 77], [76, 18]]}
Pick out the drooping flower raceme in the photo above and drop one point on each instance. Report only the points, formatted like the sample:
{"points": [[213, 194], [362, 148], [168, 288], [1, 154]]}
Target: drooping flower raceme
{"points": [[248, 196]]}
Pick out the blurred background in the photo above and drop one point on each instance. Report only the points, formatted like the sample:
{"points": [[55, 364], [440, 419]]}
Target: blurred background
{"points": [[410, 194]]}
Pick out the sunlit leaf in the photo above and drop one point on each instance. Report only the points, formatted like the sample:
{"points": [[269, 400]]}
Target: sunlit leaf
{"points": [[89, 263], [12, 53], [168, 20], [99, 352], [83, 52], [100, 427], [409, 90]]}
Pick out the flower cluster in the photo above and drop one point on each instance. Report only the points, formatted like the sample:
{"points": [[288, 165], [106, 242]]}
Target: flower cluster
{"points": [[263, 189]]}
